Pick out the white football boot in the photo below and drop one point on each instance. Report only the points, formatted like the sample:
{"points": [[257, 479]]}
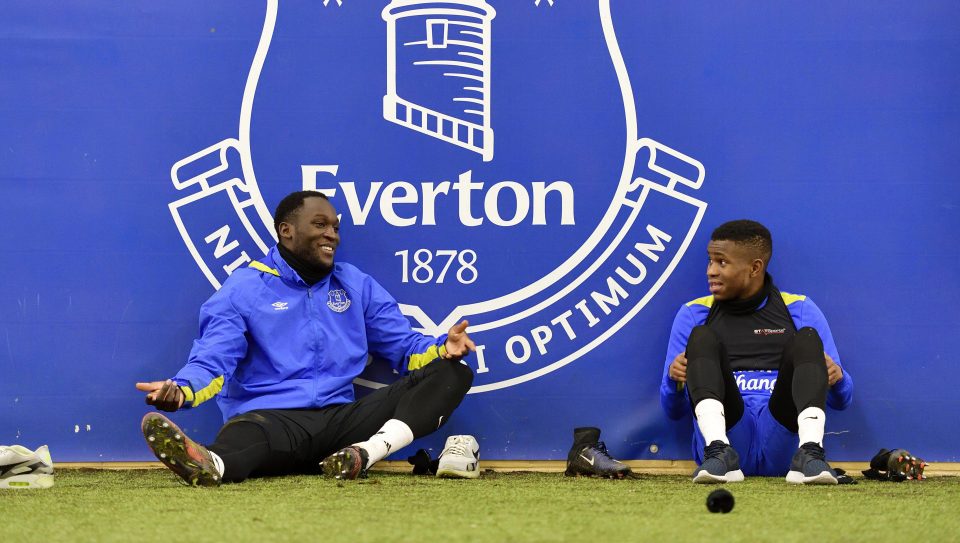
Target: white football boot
{"points": [[22, 468], [460, 458]]}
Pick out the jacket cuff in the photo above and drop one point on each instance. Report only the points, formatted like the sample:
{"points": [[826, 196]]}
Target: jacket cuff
{"points": [[187, 393]]}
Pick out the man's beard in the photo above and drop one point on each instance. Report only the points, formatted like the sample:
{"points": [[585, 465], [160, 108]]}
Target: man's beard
{"points": [[305, 264], [311, 258]]}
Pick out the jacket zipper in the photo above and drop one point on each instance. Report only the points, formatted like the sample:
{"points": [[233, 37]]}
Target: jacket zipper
{"points": [[316, 339]]}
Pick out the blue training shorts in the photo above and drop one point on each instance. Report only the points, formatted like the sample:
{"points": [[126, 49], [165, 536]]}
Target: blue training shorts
{"points": [[764, 445]]}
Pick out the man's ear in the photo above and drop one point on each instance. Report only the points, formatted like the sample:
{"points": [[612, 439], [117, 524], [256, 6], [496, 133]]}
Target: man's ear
{"points": [[285, 230], [757, 267]]}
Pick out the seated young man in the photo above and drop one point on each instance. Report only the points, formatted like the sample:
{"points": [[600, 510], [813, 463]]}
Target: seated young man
{"points": [[757, 366], [280, 345]]}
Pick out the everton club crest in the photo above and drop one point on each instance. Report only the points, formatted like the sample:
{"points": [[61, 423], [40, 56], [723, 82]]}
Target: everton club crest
{"points": [[488, 163], [337, 300]]}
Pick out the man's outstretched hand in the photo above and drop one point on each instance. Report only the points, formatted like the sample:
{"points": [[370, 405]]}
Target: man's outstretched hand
{"points": [[458, 343], [164, 395]]}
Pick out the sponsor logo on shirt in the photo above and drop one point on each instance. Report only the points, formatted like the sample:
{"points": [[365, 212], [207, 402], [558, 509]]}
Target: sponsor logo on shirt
{"points": [[769, 331], [753, 383], [280, 306]]}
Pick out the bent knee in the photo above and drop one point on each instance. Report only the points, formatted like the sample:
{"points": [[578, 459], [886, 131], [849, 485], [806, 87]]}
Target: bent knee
{"points": [[809, 337], [250, 418], [703, 342], [458, 373], [703, 333]]}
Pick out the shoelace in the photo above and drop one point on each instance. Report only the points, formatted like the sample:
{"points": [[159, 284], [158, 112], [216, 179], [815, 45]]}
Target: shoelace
{"points": [[714, 450], [814, 450], [600, 449], [459, 446]]}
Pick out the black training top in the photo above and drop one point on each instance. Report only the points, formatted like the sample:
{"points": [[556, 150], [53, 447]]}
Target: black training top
{"points": [[753, 331]]}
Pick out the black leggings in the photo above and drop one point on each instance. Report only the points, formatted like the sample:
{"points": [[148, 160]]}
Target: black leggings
{"points": [[283, 441], [801, 380]]}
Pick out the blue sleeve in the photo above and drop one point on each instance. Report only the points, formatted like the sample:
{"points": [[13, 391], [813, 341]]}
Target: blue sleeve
{"points": [[673, 396], [390, 336], [218, 350], [841, 393]]}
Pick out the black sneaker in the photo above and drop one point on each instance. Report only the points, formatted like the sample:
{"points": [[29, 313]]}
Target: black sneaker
{"points": [[896, 465], [809, 467], [347, 463], [188, 459], [721, 464], [589, 457]]}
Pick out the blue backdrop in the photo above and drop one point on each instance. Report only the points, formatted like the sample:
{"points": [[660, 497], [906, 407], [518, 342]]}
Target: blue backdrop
{"points": [[549, 170]]}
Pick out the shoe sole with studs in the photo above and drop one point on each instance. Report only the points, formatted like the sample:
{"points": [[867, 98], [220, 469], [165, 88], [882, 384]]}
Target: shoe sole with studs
{"points": [[178, 452], [345, 464]]}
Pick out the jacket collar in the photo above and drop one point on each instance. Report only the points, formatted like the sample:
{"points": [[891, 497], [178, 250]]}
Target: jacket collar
{"points": [[287, 273]]}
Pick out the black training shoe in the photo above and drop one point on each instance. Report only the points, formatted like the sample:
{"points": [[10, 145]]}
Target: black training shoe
{"points": [[347, 463], [809, 467], [188, 459], [721, 464], [896, 465], [589, 457], [903, 466]]}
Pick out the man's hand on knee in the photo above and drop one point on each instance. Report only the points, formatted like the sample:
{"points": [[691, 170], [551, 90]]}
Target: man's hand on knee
{"points": [[678, 368], [834, 373]]}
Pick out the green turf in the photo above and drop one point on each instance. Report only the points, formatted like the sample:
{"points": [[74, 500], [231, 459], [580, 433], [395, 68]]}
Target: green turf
{"points": [[149, 505]]}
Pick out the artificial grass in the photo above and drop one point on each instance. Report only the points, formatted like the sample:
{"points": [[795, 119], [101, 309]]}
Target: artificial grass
{"points": [[149, 505]]}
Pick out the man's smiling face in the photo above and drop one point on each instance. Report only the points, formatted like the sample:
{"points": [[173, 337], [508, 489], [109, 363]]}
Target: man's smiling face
{"points": [[313, 233]]}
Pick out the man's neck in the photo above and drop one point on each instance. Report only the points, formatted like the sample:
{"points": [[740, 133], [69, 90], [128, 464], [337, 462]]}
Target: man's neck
{"points": [[757, 289], [310, 274], [748, 303]]}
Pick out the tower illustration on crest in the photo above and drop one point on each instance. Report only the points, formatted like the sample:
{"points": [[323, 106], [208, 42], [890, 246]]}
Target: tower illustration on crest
{"points": [[438, 70]]}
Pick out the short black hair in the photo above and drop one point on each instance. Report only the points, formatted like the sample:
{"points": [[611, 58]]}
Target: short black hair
{"points": [[746, 232], [291, 204]]}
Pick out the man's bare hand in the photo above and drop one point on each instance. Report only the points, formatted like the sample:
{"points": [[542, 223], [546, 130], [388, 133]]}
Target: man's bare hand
{"points": [[834, 373], [678, 368], [458, 343], [164, 395]]}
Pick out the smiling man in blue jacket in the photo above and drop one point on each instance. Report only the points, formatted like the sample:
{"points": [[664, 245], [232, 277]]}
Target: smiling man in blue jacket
{"points": [[280, 345], [756, 366]]}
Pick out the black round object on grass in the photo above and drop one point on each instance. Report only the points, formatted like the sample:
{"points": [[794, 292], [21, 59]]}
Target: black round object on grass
{"points": [[720, 501]]}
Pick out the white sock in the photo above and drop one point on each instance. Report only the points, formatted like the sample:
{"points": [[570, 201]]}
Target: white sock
{"points": [[217, 462], [394, 435], [711, 421], [810, 422]]}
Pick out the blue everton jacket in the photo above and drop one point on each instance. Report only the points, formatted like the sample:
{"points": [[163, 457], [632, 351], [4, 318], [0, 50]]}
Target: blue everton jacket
{"points": [[755, 386], [270, 341]]}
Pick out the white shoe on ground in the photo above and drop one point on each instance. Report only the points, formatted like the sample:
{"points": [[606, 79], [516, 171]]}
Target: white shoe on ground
{"points": [[460, 458], [22, 468]]}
